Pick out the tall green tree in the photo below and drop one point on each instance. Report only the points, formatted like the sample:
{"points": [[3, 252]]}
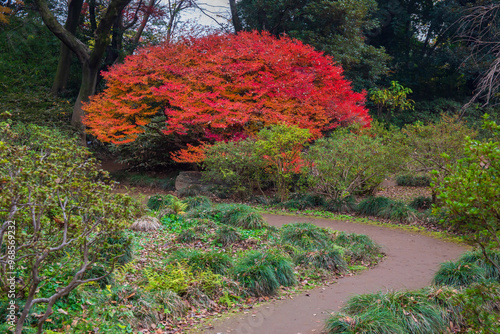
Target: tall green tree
{"points": [[337, 27], [427, 56]]}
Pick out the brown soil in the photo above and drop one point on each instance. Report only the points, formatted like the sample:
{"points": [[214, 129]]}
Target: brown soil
{"points": [[410, 263]]}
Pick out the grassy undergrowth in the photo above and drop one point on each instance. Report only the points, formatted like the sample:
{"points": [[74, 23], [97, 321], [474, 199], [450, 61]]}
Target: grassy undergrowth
{"points": [[204, 260]]}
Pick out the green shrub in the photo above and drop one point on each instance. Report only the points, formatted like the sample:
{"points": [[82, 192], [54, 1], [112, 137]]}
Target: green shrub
{"points": [[469, 194], [358, 247], [348, 163], [480, 307], [398, 211], [372, 206], [263, 273], [98, 271], [435, 145], [64, 209], [329, 259], [227, 235], [458, 274], [221, 191], [280, 147], [157, 202], [180, 278], [413, 181], [121, 247], [421, 203], [197, 202], [236, 166], [306, 236], [218, 263]]}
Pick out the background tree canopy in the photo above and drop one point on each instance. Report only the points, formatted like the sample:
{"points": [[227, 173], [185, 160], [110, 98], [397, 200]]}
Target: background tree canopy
{"points": [[416, 43], [336, 27]]}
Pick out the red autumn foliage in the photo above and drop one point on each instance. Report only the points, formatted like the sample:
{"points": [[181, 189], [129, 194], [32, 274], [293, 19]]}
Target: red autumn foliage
{"points": [[191, 154], [220, 87]]}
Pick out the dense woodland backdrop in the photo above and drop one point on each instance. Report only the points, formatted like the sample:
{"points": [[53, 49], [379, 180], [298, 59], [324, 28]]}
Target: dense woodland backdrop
{"points": [[438, 49]]}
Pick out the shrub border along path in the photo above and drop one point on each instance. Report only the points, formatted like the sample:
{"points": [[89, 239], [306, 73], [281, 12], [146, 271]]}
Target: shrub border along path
{"points": [[410, 263]]}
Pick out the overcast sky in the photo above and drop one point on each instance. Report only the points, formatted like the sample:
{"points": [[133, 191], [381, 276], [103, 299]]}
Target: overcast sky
{"points": [[217, 9]]}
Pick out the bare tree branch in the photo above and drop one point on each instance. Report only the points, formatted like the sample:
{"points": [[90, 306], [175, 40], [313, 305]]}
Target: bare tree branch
{"points": [[480, 30]]}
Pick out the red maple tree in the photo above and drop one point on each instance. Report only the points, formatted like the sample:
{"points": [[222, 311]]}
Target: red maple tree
{"points": [[224, 87]]}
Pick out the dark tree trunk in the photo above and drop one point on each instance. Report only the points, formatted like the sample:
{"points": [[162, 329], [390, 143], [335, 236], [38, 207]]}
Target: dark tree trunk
{"points": [[90, 59], [65, 54], [234, 17], [87, 89]]}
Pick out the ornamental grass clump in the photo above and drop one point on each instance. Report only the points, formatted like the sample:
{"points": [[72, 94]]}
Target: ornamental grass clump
{"points": [[413, 181], [358, 247], [227, 235], [238, 215], [373, 321], [283, 267], [458, 274], [372, 206], [477, 257], [157, 202], [421, 203], [145, 224], [306, 236], [140, 304], [197, 202], [398, 211], [262, 273], [329, 259], [251, 221], [341, 205], [411, 311]]}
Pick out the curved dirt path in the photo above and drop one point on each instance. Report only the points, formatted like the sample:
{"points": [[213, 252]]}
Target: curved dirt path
{"points": [[411, 261]]}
